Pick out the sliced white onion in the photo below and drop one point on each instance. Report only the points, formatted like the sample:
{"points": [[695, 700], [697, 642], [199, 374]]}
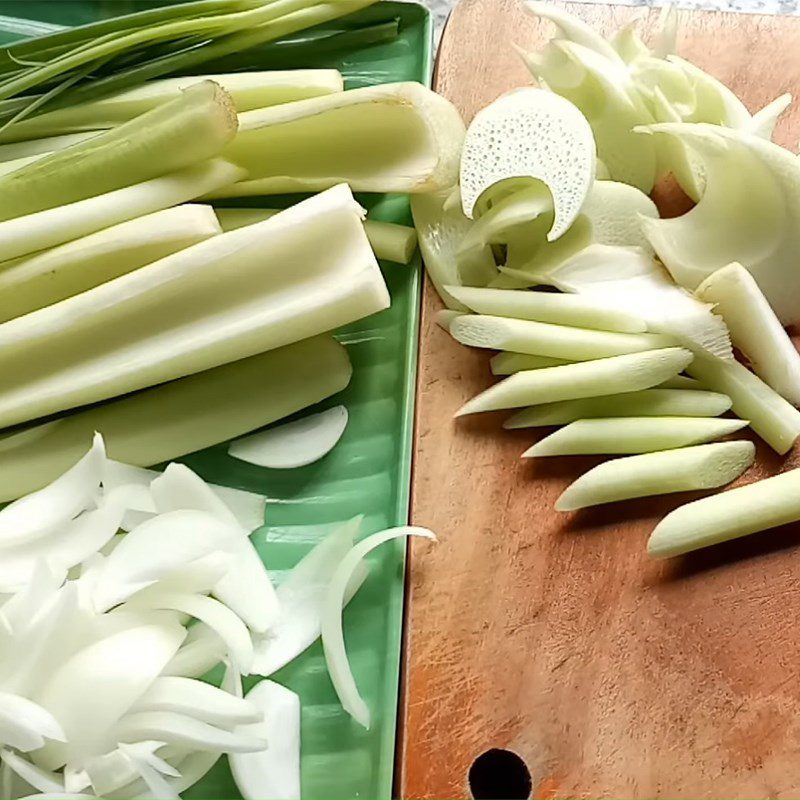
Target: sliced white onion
{"points": [[201, 651], [301, 596], [246, 589], [22, 609], [275, 772], [293, 444], [332, 634], [156, 783], [57, 503], [41, 779], [25, 725]]}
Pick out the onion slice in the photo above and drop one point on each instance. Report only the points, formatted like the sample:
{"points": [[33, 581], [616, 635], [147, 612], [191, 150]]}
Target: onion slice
{"points": [[331, 621], [275, 772], [293, 444]]}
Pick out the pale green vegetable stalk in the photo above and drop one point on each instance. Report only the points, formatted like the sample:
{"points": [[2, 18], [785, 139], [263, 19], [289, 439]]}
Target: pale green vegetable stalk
{"points": [[444, 318], [681, 382], [741, 511], [754, 328], [41, 147], [775, 420], [190, 129], [628, 373], [45, 278], [544, 339], [54, 226], [441, 227], [247, 90], [561, 309], [647, 403], [180, 417], [621, 435], [390, 242], [307, 270], [398, 137], [509, 363], [687, 469]]}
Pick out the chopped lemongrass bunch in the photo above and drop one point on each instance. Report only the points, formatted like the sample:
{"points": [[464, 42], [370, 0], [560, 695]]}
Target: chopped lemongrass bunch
{"points": [[46, 277], [192, 128], [681, 382], [247, 90], [398, 137], [560, 309], [744, 510], [390, 241], [605, 376], [508, 363], [775, 420], [621, 435], [54, 226], [687, 469], [646, 403], [180, 417], [530, 133], [545, 339], [444, 318], [306, 271], [43, 146], [755, 330], [293, 444]]}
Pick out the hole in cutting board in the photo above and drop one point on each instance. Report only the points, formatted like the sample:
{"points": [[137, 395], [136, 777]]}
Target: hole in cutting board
{"points": [[499, 775]]}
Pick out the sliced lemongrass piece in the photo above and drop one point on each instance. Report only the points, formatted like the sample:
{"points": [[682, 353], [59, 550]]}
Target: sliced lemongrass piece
{"points": [[687, 469], [42, 146], [180, 417], [188, 130], [744, 510], [560, 309], [247, 90], [622, 435], [682, 382], [545, 339], [628, 373], [764, 121], [441, 227], [647, 403], [530, 133], [293, 444], [775, 420], [45, 278], [507, 363], [390, 242], [444, 318], [331, 621], [755, 330], [53, 226], [275, 772], [396, 137]]}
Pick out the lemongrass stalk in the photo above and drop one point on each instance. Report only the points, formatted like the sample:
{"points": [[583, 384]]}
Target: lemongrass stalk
{"points": [[628, 373], [560, 309], [247, 90], [307, 270], [183, 132], [508, 363], [7, 167], [37, 147], [755, 329], [46, 277], [390, 242], [444, 318], [180, 417], [398, 137], [545, 339], [775, 420], [687, 469], [622, 435], [54, 226], [744, 510], [682, 382], [647, 403]]}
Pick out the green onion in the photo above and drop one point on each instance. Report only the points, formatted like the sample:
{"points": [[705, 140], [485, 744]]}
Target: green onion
{"points": [[621, 435], [647, 403], [687, 469], [181, 417]]}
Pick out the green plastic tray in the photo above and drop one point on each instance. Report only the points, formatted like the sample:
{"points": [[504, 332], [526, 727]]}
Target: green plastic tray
{"points": [[367, 473]]}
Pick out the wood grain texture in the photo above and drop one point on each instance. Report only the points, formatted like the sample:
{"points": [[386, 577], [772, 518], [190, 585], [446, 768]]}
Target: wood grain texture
{"points": [[553, 635]]}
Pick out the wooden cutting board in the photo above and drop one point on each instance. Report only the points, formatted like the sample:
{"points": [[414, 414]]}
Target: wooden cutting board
{"points": [[553, 635]]}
